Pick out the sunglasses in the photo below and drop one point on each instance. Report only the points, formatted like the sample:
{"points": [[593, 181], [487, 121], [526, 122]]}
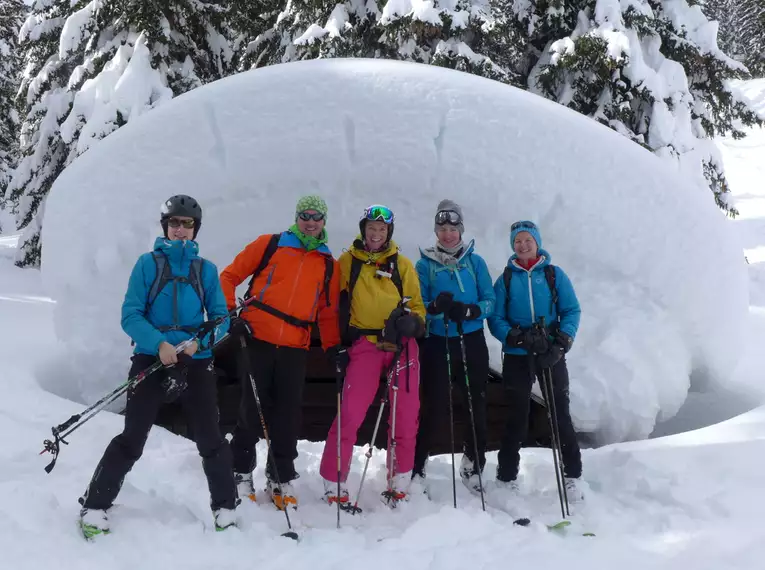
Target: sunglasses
{"points": [[527, 225], [379, 213], [176, 223], [305, 216], [448, 217]]}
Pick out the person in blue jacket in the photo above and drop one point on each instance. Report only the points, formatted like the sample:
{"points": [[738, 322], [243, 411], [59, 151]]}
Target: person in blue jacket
{"points": [[169, 292], [456, 289], [533, 291]]}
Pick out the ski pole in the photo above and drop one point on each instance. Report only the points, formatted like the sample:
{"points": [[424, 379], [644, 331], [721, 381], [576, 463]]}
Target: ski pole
{"points": [[553, 439], [551, 392], [392, 432], [65, 429], [339, 377], [472, 415], [451, 407], [243, 343]]}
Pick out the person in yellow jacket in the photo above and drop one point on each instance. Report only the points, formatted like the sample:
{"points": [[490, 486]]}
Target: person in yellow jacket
{"points": [[384, 315]]}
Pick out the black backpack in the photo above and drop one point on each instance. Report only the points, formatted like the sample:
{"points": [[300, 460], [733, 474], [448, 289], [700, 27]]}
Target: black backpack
{"points": [[164, 276], [549, 270], [389, 269], [273, 244]]}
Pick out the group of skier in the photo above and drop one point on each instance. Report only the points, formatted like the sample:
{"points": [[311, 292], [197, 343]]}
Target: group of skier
{"points": [[378, 315]]}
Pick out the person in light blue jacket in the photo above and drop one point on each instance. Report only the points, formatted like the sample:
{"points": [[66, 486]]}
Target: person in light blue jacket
{"points": [[170, 290], [536, 317], [457, 291]]}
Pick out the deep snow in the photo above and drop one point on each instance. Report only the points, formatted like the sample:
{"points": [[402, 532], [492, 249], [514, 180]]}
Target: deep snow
{"points": [[694, 499], [635, 238]]}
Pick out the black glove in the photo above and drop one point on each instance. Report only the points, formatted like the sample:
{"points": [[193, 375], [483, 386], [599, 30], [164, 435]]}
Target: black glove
{"points": [[564, 340], [551, 357], [339, 355], [537, 340], [409, 326], [460, 312], [518, 338], [240, 327], [442, 304]]}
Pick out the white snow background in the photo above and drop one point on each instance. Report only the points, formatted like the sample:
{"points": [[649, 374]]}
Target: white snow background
{"points": [[656, 273], [692, 499]]}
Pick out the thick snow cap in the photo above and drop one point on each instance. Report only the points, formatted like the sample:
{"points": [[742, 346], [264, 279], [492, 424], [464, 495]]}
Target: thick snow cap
{"points": [[661, 281]]}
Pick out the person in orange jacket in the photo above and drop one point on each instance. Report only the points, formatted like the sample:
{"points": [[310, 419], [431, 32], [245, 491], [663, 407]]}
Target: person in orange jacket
{"points": [[298, 286], [376, 278]]}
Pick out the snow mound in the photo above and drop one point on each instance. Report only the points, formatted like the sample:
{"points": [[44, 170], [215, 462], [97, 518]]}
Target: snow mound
{"points": [[661, 280]]}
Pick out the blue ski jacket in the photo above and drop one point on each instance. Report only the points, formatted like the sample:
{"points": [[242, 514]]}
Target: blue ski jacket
{"points": [[469, 281], [177, 304], [530, 299]]}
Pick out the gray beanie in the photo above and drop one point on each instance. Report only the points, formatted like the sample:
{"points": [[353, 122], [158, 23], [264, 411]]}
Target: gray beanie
{"points": [[450, 206]]}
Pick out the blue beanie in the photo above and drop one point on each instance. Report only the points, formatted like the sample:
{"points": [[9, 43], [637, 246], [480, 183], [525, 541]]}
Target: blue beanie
{"points": [[525, 226]]}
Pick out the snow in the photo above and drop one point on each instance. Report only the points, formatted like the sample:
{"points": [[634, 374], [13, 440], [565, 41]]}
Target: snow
{"points": [[360, 131], [692, 499]]}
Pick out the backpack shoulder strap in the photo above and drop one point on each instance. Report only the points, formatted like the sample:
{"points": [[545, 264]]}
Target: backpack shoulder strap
{"points": [[273, 244], [329, 269], [356, 264], [163, 275], [195, 279], [550, 276], [471, 267], [395, 274]]}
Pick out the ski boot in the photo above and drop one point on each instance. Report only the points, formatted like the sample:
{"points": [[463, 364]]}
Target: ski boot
{"points": [[330, 494], [244, 486], [398, 489], [469, 475], [574, 492], [281, 497], [93, 522], [225, 518]]}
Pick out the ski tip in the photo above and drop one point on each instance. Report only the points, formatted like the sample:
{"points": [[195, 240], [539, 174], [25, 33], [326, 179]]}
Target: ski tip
{"points": [[291, 534], [559, 525], [522, 521], [588, 534]]}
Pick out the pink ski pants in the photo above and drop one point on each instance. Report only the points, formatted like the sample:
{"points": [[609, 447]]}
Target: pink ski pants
{"points": [[362, 380]]}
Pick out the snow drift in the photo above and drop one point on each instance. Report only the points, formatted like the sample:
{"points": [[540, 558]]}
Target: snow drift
{"points": [[661, 280]]}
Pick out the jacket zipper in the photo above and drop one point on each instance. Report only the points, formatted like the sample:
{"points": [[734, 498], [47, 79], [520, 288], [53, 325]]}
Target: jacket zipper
{"points": [[295, 282]]}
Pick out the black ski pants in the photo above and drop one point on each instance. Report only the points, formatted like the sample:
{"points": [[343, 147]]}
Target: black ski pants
{"points": [[434, 404], [518, 378], [200, 405], [279, 374]]}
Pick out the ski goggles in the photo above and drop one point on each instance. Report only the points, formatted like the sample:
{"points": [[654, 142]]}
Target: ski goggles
{"points": [[378, 213], [448, 217], [305, 216], [527, 225], [176, 223]]}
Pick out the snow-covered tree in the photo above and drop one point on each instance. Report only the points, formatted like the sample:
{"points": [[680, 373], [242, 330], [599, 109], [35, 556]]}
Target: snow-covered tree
{"points": [[750, 26], [438, 32], [105, 63], [11, 18], [652, 71]]}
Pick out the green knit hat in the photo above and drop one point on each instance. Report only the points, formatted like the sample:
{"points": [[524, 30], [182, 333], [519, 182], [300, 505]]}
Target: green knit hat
{"points": [[312, 202]]}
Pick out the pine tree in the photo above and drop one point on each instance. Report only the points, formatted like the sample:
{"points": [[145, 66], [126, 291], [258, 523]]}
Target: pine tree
{"points": [[443, 33], [11, 18], [110, 61], [652, 73], [750, 25]]}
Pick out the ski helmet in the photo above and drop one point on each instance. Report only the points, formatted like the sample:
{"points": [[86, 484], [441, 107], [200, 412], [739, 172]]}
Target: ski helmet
{"points": [[377, 213], [181, 205]]}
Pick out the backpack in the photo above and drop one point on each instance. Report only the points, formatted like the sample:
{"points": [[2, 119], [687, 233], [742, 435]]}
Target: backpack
{"points": [[549, 270], [164, 276], [346, 296], [273, 244]]}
